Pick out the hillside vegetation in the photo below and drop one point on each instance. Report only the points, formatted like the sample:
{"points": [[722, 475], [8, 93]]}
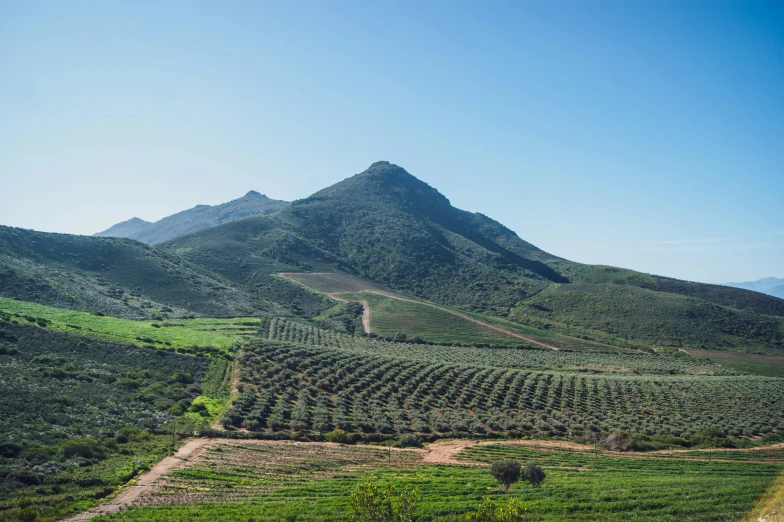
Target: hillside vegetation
{"points": [[118, 277], [82, 416], [387, 226], [183, 335], [200, 217], [287, 386]]}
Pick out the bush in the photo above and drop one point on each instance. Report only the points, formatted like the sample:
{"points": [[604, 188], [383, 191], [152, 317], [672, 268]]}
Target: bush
{"points": [[506, 472], [534, 474], [488, 511], [409, 440], [339, 436], [368, 504]]}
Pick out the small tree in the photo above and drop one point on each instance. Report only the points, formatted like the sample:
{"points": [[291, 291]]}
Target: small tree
{"points": [[488, 511], [409, 440], [506, 472], [339, 436], [534, 474], [369, 504]]}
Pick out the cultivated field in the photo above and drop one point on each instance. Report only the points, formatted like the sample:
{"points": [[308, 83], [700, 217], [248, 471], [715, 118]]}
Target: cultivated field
{"points": [[254, 480], [294, 387]]}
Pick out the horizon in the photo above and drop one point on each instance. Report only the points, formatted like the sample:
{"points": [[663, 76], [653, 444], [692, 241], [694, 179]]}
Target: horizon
{"points": [[640, 136]]}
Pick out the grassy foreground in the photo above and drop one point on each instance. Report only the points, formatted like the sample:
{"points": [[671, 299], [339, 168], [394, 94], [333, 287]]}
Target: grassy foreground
{"points": [[266, 481]]}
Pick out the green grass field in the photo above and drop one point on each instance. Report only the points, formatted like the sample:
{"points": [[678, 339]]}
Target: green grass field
{"points": [[262, 481], [169, 334], [389, 316], [767, 365]]}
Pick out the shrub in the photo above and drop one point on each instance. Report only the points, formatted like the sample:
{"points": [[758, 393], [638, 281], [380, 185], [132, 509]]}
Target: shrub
{"points": [[409, 440], [368, 504], [339, 436], [506, 472], [534, 474], [488, 511]]}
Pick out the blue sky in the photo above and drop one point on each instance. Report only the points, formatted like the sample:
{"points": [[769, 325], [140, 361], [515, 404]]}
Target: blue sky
{"points": [[647, 135]]}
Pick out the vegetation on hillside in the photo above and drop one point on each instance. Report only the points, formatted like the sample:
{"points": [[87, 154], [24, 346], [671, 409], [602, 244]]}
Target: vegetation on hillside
{"points": [[83, 416], [390, 228], [203, 336], [118, 277], [286, 387]]}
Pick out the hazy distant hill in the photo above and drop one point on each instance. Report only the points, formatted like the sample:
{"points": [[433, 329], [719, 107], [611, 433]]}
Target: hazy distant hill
{"points": [[768, 285], [200, 217], [388, 226], [114, 276]]}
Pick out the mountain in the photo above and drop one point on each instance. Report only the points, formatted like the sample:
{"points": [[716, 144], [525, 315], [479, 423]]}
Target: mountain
{"points": [[200, 217], [114, 276], [389, 227], [768, 285]]}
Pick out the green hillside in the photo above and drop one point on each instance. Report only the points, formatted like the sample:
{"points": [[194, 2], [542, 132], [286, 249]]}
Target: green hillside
{"points": [[81, 416], [183, 335], [118, 277], [387, 226]]}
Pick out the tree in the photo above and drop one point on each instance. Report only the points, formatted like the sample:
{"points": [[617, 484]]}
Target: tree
{"points": [[339, 436], [488, 511], [533, 473], [369, 504], [506, 472]]}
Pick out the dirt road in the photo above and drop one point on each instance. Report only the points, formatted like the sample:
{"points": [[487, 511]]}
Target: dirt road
{"points": [[507, 331], [146, 481]]}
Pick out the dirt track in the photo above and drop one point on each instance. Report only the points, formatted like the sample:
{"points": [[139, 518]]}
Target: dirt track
{"points": [[146, 481], [507, 331]]}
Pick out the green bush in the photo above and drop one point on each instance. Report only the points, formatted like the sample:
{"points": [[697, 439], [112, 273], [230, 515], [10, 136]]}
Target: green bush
{"points": [[369, 504], [488, 511], [339, 436], [409, 440], [534, 474], [506, 472]]}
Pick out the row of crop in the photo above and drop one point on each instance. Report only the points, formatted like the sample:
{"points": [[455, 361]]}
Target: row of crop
{"points": [[304, 388], [289, 331]]}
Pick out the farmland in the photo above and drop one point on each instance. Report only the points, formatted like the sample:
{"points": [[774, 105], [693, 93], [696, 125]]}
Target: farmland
{"points": [[254, 480], [177, 334], [520, 357], [292, 387]]}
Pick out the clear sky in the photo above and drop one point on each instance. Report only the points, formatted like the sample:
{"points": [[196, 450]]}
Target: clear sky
{"points": [[647, 135]]}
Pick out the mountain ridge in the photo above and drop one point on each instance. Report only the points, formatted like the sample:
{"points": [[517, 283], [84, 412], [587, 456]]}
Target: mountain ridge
{"points": [[391, 228], [200, 217]]}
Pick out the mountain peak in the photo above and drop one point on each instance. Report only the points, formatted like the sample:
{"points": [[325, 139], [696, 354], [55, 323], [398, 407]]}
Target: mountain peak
{"points": [[253, 193]]}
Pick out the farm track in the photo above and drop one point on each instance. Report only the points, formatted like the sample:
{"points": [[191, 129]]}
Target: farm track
{"points": [[468, 318], [146, 481]]}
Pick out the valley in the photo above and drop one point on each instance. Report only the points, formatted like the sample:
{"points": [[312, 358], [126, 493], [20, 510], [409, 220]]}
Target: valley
{"points": [[373, 333]]}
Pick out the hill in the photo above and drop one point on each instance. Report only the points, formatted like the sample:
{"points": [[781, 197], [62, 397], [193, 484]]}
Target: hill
{"points": [[768, 285], [200, 217], [387, 226], [113, 276]]}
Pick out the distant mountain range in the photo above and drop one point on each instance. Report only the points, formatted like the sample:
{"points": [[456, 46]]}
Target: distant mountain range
{"points": [[200, 217], [768, 285]]}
